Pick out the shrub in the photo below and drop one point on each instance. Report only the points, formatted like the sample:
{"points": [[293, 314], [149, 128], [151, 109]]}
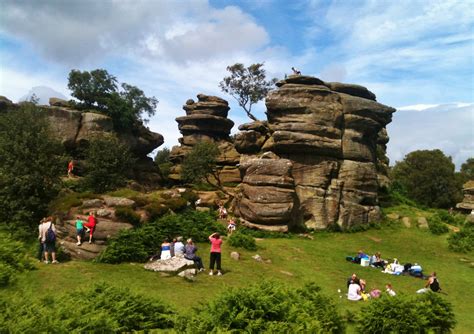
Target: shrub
{"points": [[13, 259], [243, 241], [407, 314], [263, 234], [437, 226], [109, 310], [176, 203], [452, 219], [128, 215], [156, 210], [138, 244], [462, 241], [267, 307]]}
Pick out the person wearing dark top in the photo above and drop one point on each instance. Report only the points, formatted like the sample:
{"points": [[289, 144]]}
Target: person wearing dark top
{"points": [[353, 280], [190, 253], [432, 284]]}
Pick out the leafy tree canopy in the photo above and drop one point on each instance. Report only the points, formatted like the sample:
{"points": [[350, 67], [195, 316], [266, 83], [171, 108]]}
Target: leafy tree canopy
{"points": [[200, 163], [247, 85], [30, 166], [99, 90], [108, 163], [427, 177]]}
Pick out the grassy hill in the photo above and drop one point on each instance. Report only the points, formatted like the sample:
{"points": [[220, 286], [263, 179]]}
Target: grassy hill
{"points": [[293, 261]]}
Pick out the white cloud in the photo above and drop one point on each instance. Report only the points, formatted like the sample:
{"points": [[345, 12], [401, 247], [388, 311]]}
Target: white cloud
{"points": [[448, 127]]}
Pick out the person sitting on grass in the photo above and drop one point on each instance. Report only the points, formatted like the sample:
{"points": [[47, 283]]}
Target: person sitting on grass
{"points": [[431, 285], [190, 254], [365, 296], [389, 290], [376, 261], [354, 292], [79, 230], [353, 280]]}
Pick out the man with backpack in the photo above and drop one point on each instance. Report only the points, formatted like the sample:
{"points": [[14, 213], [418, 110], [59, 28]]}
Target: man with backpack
{"points": [[48, 238]]}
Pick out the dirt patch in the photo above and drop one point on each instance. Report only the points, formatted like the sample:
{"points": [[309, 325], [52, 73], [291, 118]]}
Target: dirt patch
{"points": [[378, 240]]}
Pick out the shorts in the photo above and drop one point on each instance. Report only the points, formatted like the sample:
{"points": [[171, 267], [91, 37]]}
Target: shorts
{"points": [[49, 247], [80, 232]]}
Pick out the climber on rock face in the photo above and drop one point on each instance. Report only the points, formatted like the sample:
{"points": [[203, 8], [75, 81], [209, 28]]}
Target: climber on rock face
{"points": [[295, 71]]}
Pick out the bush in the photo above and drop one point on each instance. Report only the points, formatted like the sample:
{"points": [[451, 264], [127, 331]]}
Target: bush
{"points": [[138, 244], [452, 219], [437, 226], [109, 310], [128, 215], [407, 314], [263, 234], [267, 307], [243, 241], [13, 259], [462, 241], [156, 210]]}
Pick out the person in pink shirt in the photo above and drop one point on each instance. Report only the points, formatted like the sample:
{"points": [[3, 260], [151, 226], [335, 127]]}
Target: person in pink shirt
{"points": [[216, 243]]}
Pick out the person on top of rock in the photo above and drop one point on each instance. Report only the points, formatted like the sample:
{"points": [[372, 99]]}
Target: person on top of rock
{"points": [[295, 71], [190, 254], [90, 225], [70, 168], [165, 250], [222, 211], [178, 247], [431, 285], [231, 226], [79, 230], [216, 243]]}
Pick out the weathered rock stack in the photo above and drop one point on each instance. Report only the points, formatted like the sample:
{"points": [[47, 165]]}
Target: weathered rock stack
{"points": [[328, 135], [206, 120], [75, 128], [467, 203]]}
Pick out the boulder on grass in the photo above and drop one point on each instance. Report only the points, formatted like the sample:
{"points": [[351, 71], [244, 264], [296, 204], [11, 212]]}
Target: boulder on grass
{"points": [[173, 265]]}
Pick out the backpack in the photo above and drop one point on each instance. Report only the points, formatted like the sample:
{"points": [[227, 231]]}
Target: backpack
{"points": [[50, 235]]}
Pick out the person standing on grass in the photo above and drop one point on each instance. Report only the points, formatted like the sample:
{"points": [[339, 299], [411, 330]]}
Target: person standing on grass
{"points": [[216, 243], [40, 242], [48, 238], [90, 225]]}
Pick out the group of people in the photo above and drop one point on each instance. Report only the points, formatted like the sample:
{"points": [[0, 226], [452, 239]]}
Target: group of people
{"points": [[188, 251], [356, 289], [222, 214], [394, 268], [88, 227]]}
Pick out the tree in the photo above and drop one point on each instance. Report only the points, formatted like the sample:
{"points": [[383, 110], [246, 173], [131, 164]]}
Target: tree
{"points": [[100, 91], [247, 85], [200, 163], [467, 170], [427, 177], [30, 166], [108, 163]]}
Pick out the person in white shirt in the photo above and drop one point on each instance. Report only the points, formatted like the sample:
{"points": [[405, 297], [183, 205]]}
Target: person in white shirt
{"points": [[353, 292], [179, 247], [389, 290]]}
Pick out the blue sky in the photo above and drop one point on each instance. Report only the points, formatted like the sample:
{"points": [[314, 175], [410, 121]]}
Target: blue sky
{"points": [[417, 56]]}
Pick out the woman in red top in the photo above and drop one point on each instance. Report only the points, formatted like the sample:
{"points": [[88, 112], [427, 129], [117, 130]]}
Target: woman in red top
{"points": [[70, 168], [216, 243], [90, 225]]}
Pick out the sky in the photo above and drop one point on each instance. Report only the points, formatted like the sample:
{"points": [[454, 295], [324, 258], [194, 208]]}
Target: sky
{"points": [[415, 55]]}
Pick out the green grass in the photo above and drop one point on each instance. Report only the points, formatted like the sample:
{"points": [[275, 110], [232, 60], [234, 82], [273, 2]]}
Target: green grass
{"points": [[293, 261]]}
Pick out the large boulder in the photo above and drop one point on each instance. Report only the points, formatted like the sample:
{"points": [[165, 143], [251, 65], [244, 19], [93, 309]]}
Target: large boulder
{"points": [[467, 203], [173, 265]]}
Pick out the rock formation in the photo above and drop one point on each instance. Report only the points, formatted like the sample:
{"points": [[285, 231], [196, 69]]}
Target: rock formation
{"points": [[108, 226], [206, 120], [467, 203], [75, 128], [327, 135]]}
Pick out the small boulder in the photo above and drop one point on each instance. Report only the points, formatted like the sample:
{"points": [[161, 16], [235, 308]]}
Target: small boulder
{"points": [[257, 258], [57, 102], [423, 223], [103, 213], [406, 222], [118, 201], [393, 216], [92, 203], [187, 272], [235, 256], [173, 265]]}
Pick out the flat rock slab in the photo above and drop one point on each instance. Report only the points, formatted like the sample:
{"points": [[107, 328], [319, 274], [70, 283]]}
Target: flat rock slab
{"points": [[118, 201], [173, 265]]}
